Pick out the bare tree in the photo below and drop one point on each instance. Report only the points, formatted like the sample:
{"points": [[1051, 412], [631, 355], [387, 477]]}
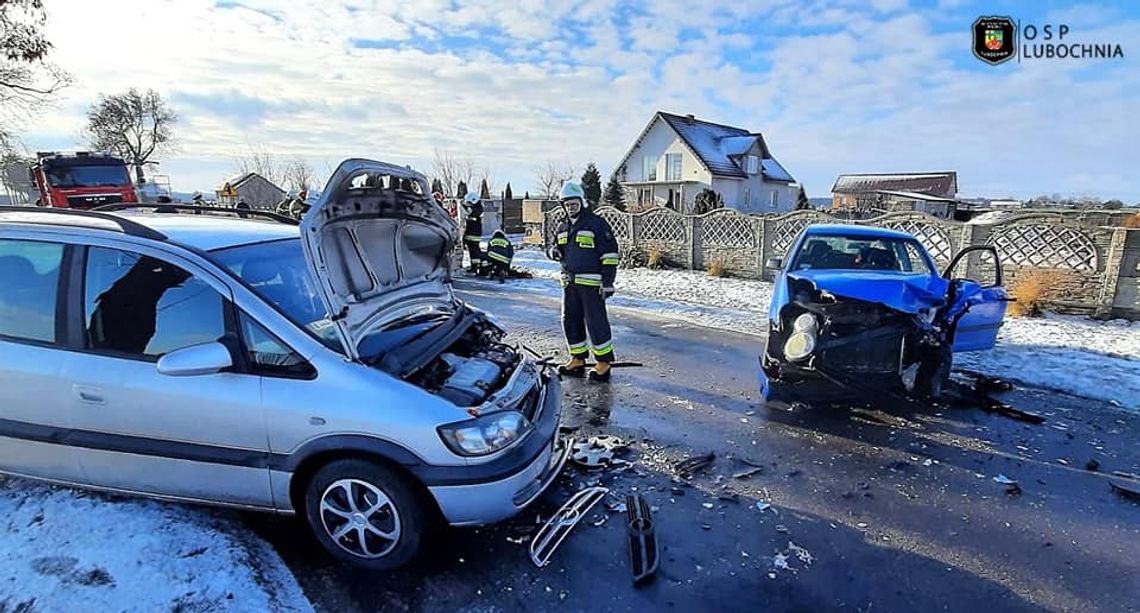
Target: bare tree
{"points": [[451, 171], [27, 80], [299, 175], [550, 175], [261, 161], [133, 125]]}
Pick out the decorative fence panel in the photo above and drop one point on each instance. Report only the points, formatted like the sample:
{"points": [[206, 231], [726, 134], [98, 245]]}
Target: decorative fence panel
{"points": [[1099, 266]]}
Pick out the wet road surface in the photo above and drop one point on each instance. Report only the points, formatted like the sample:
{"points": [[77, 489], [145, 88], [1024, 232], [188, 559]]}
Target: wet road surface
{"points": [[879, 505]]}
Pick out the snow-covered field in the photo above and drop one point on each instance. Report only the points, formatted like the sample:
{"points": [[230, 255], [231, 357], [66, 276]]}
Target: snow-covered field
{"points": [[68, 550], [1070, 354]]}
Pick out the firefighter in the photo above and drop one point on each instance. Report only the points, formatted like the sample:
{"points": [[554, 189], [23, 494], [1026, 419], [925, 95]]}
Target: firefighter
{"points": [[198, 201], [500, 251], [473, 231], [586, 247]]}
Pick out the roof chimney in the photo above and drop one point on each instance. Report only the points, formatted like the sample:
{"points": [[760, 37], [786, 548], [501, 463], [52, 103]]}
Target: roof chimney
{"points": [[690, 118]]}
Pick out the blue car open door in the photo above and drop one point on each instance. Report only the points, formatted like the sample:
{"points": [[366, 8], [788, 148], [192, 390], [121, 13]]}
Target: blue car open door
{"points": [[977, 309]]}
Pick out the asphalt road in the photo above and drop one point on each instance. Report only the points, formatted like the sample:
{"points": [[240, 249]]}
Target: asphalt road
{"points": [[878, 505]]}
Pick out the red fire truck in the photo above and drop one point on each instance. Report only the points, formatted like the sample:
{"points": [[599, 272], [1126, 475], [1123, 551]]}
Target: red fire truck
{"points": [[81, 180]]}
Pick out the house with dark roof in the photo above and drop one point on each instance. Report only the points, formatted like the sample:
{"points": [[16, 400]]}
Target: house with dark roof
{"points": [[678, 156], [897, 191], [260, 193]]}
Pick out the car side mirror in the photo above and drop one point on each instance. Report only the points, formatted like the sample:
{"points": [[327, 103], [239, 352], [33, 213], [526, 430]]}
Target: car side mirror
{"points": [[775, 263], [196, 360]]}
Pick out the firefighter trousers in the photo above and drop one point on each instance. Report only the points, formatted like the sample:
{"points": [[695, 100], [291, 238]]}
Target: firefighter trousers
{"points": [[584, 309], [474, 252]]}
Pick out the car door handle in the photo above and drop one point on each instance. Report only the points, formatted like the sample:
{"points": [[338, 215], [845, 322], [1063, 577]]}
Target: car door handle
{"points": [[92, 395]]}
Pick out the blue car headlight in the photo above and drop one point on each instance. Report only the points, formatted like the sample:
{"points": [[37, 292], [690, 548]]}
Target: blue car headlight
{"points": [[485, 435]]}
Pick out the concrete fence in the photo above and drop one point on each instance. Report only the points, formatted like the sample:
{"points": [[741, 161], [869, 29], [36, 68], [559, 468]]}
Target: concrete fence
{"points": [[1099, 266]]}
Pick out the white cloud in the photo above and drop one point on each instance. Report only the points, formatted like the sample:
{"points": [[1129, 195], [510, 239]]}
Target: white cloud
{"points": [[867, 88]]}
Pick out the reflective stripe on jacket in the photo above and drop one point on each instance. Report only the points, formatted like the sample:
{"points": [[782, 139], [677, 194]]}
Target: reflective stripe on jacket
{"points": [[588, 249]]}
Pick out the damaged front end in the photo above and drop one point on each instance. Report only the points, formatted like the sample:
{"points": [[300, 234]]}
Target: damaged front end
{"points": [[859, 340], [379, 249]]}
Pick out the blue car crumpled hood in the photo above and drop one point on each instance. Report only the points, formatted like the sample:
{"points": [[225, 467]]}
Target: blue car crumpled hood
{"points": [[904, 292]]}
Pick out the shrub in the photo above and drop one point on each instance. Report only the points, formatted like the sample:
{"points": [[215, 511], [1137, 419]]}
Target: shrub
{"points": [[716, 268], [1132, 221], [656, 258], [1035, 288]]}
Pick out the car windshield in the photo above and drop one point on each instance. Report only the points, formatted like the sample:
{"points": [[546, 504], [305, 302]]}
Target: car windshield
{"points": [[277, 271], [838, 252], [88, 176]]}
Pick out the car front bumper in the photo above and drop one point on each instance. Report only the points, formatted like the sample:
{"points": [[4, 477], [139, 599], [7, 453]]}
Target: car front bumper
{"points": [[488, 501]]}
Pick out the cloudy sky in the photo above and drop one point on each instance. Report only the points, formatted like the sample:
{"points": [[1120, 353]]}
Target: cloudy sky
{"points": [[836, 86]]}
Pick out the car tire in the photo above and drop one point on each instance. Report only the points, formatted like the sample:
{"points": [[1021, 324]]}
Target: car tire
{"points": [[934, 373], [365, 513]]}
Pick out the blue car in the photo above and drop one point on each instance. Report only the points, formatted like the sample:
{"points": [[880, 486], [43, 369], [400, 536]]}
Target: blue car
{"points": [[863, 306]]}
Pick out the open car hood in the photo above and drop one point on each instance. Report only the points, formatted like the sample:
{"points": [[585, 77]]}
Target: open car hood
{"points": [[904, 292], [379, 247]]}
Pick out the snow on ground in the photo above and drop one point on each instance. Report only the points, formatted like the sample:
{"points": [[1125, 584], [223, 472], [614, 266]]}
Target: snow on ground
{"points": [[70, 550], [1070, 354]]}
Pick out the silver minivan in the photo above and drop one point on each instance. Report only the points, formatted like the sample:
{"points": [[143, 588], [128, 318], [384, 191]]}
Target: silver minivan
{"points": [[325, 369]]}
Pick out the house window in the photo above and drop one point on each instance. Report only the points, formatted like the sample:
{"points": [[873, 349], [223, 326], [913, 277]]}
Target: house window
{"points": [[775, 199], [649, 168], [672, 166], [752, 165]]}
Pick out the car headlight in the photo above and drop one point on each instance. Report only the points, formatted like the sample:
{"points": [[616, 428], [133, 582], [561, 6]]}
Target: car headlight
{"points": [[805, 322], [799, 345], [485, 435]]}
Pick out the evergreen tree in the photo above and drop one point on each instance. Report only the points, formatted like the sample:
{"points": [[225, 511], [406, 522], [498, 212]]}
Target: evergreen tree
{"points": [[484, 191], [706, 201], [526, 194], [507, 195], [615, 196], [802, 204], [461, 190], [592, 184]]}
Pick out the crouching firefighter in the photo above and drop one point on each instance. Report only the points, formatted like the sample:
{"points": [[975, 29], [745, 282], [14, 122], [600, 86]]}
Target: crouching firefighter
{"points": [[473, 231], [500, 251], [585, 246]]}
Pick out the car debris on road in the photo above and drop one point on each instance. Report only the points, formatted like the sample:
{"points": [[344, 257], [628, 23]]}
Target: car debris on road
{"points": [[558, 527], [688, 467], [643, 552]]}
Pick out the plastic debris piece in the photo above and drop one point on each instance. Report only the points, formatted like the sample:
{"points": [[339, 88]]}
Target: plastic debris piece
{"points": [[744, 474], [642, 539], [781, 562], [928, 462], [782, 529], [707, 505], [558, 527], [690, 466], [1004, 480], [1128, 492], [706, 526], [763, 506]]}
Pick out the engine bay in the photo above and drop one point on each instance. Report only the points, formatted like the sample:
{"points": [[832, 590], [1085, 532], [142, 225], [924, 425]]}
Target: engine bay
{"points": [[472, 368]]}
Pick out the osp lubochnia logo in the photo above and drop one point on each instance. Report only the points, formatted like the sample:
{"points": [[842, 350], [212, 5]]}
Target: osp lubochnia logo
{"points": [[996, 40]]}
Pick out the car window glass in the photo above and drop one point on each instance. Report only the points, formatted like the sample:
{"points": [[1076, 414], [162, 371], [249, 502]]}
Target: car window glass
{"points": [[139, 305], [29, 282], [824, 252], [916, 262], [268, 354]]}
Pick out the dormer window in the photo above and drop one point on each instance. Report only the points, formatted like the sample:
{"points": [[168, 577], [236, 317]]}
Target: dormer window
{"points": [[751, 164]]}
